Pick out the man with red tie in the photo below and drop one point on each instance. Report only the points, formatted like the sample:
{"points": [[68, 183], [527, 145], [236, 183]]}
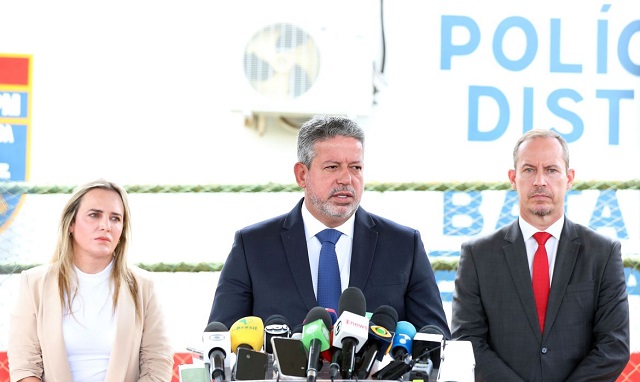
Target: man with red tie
{"points": [[543, 299]]}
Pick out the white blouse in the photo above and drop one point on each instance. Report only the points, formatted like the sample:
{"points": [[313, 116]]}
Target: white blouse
{"points": [[89, 332]]}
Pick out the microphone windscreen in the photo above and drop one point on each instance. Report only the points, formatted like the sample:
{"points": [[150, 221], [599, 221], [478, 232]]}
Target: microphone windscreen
{"points": [[315, 328], [276, 319], [407, 328], [216, 336], [247, 331], [352, 300], [318, 313], [426, 344], [215, 326], [403, 339], [275, 326], [385, 316], [431, 329]]}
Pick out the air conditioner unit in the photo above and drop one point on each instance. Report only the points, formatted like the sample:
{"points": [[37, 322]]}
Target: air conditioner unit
{"points": [[300, 58]]}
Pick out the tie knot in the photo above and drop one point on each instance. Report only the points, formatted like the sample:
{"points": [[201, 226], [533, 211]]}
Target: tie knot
{"points": [[329, 235], [541, 237]]}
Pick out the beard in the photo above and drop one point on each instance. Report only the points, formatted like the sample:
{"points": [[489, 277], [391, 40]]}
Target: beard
{"points": [[540, 210], [331, 210]]}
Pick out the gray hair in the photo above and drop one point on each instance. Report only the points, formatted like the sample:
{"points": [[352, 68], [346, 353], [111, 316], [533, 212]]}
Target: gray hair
{"points": [[541, 133], [322, 127]]}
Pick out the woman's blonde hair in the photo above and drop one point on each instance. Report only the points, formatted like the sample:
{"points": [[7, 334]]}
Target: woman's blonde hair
{"points": [[63, 255]]}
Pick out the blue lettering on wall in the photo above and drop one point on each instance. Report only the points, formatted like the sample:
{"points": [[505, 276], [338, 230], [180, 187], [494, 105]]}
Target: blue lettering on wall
{"points": [[484, 131], [614, 97], [603, 42], [469, 219], [447, 48], [623, 48], [462, 217], [607, 213], [531, 47], [475, 93], [555, 64], [508, 212], [483, 134], [553, 103]]}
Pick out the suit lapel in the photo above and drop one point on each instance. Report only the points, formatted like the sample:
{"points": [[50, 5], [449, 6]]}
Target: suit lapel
{"points": [[55, 346], [516, 258], [125, 330], [363, 249], [295, 247], [566, 258]]}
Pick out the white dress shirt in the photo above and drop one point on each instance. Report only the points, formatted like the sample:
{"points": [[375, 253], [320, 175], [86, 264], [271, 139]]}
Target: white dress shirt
{"points": [[532, 245], [343, 247]]}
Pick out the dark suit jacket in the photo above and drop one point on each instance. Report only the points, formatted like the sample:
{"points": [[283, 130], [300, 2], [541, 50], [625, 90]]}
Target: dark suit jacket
{"points": [[587, 324], [268, 272]]}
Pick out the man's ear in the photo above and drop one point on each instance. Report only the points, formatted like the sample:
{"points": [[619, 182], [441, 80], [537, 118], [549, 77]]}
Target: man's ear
{"points": [[301, 171], [571, 174], [512, 179]]}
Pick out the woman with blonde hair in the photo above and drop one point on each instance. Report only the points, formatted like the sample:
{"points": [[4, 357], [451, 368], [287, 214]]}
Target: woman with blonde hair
{"points": [[89, 315]]}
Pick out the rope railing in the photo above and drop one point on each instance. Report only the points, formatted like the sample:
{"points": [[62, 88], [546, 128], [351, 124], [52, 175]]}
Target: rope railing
{"points": [[439, 264], [30, 188]]}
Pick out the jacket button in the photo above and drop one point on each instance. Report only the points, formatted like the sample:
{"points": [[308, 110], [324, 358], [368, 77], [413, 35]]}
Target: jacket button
{"points": [[544, 350]]}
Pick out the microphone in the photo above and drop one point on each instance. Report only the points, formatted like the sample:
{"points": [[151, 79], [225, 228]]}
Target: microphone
{"points": [[247, 333], [402, 340], [315, 338], [379, 340], [350, 331], [246, 342], [217, 345], [426, 349], [275, 326]]}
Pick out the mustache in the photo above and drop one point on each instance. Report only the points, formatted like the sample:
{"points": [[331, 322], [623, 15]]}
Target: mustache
{"points": [[350, 190], [539, 191]]}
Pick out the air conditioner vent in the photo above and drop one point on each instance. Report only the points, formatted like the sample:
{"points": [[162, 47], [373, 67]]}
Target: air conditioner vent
{"points": [[282, 61]]}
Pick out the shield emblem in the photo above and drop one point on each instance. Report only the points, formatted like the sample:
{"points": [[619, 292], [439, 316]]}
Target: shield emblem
{"points": [[15, 121]]}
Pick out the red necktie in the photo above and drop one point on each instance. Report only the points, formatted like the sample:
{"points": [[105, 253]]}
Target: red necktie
{"points": [[540, 277]]}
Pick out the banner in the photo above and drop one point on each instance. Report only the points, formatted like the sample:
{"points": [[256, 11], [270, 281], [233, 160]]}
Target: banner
{"points": [[15, 96]]}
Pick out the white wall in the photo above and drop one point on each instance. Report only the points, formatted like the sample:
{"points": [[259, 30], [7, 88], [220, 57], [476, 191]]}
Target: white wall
{"points": [[141, 92]]}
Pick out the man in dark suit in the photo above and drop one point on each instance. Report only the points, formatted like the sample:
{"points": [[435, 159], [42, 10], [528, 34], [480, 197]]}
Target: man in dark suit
{"points": [[273, 265], [573, 326]]}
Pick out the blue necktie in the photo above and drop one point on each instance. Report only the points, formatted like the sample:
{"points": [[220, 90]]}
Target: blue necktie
{"points": [[329, 286]]}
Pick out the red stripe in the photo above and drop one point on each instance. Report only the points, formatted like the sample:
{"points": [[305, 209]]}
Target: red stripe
{"points": [[14, 71]]}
